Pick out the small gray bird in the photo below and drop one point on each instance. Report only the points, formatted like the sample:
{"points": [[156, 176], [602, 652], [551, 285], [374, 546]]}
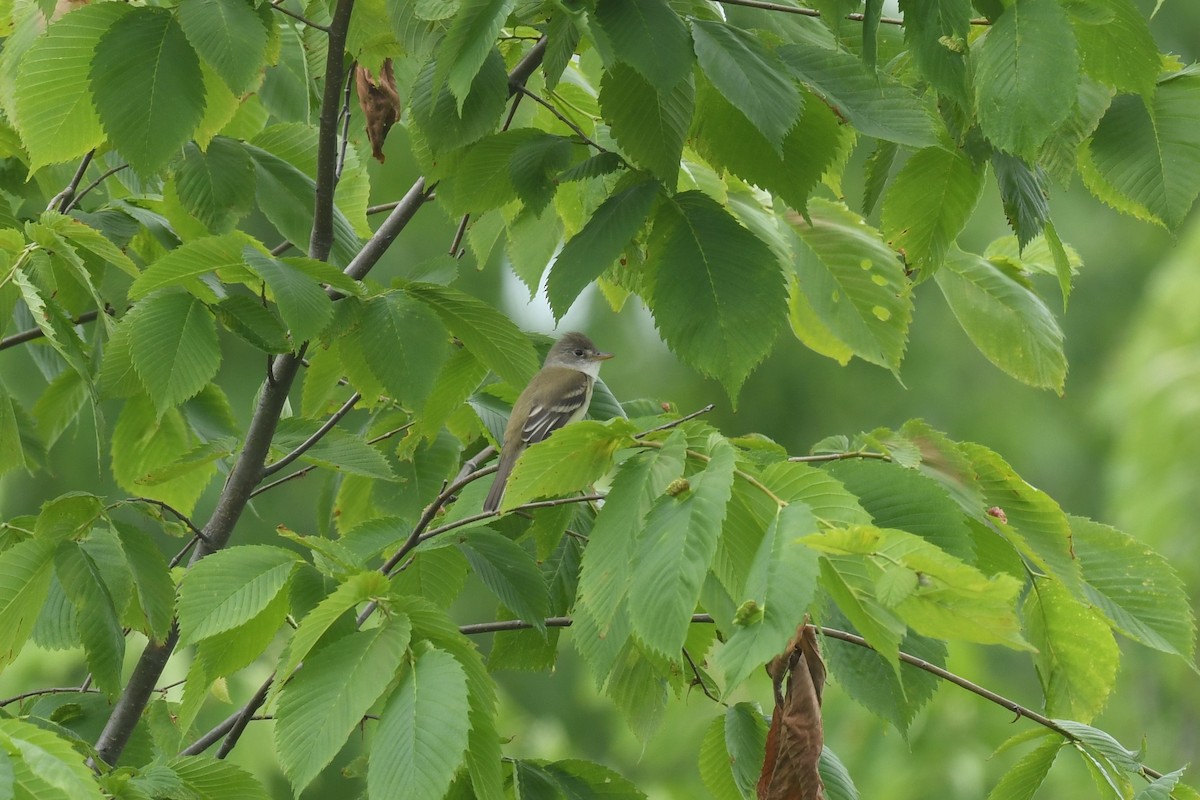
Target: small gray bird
{"points": [[558, 394]]}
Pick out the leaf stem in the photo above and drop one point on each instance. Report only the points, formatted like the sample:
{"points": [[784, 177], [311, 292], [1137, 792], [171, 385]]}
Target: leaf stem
{"points": [[812, 12], [278, 6], [546, 104]]}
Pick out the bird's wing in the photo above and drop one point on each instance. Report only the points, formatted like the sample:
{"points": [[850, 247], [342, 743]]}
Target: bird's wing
{"points": [[566, 402]]}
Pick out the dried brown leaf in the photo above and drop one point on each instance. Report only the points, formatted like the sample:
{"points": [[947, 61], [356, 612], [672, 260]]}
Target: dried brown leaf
{"points": [[796, 737], [380, 103]]}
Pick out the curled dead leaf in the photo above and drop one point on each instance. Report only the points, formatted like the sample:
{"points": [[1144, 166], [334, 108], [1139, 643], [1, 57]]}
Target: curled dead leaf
{"points": [[380, 103], [796, 737]]}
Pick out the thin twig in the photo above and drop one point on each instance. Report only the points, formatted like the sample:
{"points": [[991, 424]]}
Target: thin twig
{"points": [[318, 435], [196, 532], [812, 12], [61, 201], [699, 679], [243, 718], [36, 333], [300, 473], [87, 189], [39, 692], [823, 457], [305, 20], [675, 422], [473, 518], [456, 242], [177, 559], [546, 104], [345, 143]]}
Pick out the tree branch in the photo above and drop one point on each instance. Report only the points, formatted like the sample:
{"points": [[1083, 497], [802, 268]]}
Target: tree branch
{"points": [[87, 189], [321, 241], [823, 457], [36, 333], [318, 435], [546, 104], [812, 12], [300, 473], [62, 201], [277, 5], [675, 423], [39, 692]]}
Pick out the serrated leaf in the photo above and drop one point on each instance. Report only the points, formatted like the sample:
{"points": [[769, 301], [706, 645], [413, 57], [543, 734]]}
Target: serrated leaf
{"points": [[874, 104], [648, 121], [1121, 51], [1024, 195], [46, 765], [405, 344], [103, 640], [854, 283], [216, 186], [337, 449], [144, 441], [715, 768], [487, 333], [25, 570], [184, 265], [648, 36], [1076, 656], [1025, 777], [1135, 588], [471, 37], [173, 346], [443, 123], [211, 778], [1005, 319], [256, 325], [1027, 75], [566, 461], [323, 704], [422, 734], [92, 240], [147, 87], [1147, 157], [718, 296], [151, 579], [229, 35], [508, 572], [781, 582], [936, 33], [52, 106], [750, 77], [305, 307], [674, 552], [929, 203], [230, 587]]}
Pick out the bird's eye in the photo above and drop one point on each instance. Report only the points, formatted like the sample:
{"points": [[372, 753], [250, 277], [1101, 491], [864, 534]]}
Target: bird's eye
{"points": [[579, 352]]}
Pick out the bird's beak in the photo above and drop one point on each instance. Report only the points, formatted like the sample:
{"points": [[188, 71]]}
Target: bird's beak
{"points": [[602, 356]]}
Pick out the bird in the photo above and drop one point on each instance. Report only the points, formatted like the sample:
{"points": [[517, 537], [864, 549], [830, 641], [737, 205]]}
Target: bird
{"points": [[557, 395]]}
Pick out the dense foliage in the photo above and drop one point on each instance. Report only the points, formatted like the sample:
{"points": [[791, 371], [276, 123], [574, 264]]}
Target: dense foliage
{"points": [[164, 164]]}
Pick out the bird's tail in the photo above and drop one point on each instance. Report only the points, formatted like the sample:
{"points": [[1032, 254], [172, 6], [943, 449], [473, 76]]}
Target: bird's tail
{"points": [[508, 458]]}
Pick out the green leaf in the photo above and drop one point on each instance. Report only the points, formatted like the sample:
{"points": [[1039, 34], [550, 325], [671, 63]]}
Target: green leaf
{"points": [[1060, 154], [750, 77], [568, 460], [649, 121], [151, 578], [648, 36], [1027, 75], [46, 765], [469, 41], [25, 571], [481, 179], [52, 106], [1024, 195], [173, 346], [1135, 588], [103, 640], [1120, 52], [1076, 655], [230, 587], [215, 779], [487, 333], [1161, 788], [70, 516], [91, 240], [718, 296], [405, 344], [229, 35], [781, 583], [510, 573], [1096, 742], [729, 141], [854, 283], [898, 497], [337, 449], [216, 186], [1026, 776], [439, 118], [936, 33], [838, 783], [144, 442], [256, 325], [324, 702], [55, 325], [715, 769], [674, 552], [285, 196], [929, 203], [422, 736], [948, 599], [745, 743], [12, 453], [1036, 526], [875, 105], [601, 610], [186, 264], [1009, 324], [146, 83], [601, 241], [305, 307], [1147, 157], [357, 589]]}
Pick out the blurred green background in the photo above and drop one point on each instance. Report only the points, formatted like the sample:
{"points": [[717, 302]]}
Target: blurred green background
{"points": [[1122, 446]]}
